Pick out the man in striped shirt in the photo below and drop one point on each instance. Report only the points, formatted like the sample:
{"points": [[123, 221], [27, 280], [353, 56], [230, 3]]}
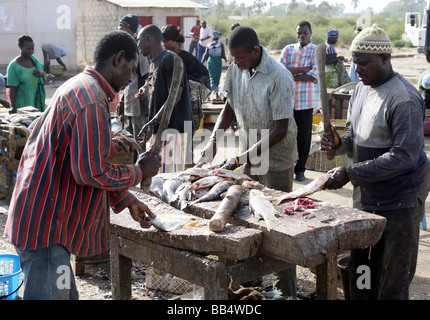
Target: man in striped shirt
{"points": [[260, 94], [65, 180], [299, 58]]}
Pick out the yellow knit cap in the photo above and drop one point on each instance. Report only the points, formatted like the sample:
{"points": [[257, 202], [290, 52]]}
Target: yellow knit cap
{"points": [[372, 40]]}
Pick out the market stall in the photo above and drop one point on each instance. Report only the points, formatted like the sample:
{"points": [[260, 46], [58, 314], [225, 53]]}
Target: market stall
{"points": [[246, 249]]}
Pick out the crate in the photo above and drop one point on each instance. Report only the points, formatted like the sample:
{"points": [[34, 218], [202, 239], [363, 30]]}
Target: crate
{"points": [[158, 280], [10, 276], [318, 161], [12, 143]]}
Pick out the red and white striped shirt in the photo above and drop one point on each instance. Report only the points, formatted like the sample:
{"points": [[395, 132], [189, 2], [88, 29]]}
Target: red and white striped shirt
{"points": [[65, 181]]}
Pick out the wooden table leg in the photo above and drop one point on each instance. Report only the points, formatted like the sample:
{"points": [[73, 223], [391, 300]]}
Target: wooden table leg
{"points": [[120, 272], [77, 264], [327, 279]]}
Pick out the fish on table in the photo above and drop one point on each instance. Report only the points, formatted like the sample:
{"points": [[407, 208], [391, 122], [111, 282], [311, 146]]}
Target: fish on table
{"points": [[157, 188], [171, 221], [230, 174], [170, 186], [184, 195], [206, 182], [194, 173], [262, 208], [312, 187], [215, 192]]}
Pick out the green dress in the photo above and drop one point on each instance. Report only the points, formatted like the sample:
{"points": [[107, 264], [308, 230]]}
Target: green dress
{"points": [[30, 89], [215, 64]]}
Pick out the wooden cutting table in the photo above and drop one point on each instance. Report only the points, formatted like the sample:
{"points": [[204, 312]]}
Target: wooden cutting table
{"points": [[245, 250]]}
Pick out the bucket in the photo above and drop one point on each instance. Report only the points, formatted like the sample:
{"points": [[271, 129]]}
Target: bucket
{"points": [[342, 264], [10, 276]]}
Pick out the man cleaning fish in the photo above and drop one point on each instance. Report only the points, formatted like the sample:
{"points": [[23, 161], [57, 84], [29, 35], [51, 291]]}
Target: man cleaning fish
{"points": [[393, 165], [252, 189]]}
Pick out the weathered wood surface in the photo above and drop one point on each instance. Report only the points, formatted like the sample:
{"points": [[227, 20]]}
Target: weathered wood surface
{"points": [[206, 272], [234, 242], [306, 241]]}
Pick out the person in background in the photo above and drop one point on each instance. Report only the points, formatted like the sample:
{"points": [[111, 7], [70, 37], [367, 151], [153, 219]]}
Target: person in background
{"points": [[336, 74], [353, 76], [229, 57], [4, 101], [214, 55], [25, 78], [195, 36], [177, 142], [390, 170], [66, 181], [260, 93], [424, 88], [205, 39], [135, 111], [198, 75], [50, 52], [299, 59]]}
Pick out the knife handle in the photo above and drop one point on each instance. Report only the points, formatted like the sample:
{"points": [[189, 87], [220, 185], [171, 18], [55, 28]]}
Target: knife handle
{"points": [[330, 154]]}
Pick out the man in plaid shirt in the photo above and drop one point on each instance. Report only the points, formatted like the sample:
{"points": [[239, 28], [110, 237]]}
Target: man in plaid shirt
{"points": [[299, 58]]}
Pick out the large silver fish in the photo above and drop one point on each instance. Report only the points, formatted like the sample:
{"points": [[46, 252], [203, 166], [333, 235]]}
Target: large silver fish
{"points": [[206, 182], [262, 208], [228, 174], [216, 191], [310, 188], [170, 186], [184, 195], [194, 172], [157, 189]]}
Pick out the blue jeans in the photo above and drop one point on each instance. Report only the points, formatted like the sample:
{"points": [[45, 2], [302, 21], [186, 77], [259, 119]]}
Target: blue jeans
{"points": [[47, 274], [200, 52]]}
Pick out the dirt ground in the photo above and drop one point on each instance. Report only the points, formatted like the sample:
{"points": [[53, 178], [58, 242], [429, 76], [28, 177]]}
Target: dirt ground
{"points": [[95, 283]]}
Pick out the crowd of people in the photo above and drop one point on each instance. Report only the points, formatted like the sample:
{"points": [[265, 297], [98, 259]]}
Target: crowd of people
{"points": [[66, 181]]}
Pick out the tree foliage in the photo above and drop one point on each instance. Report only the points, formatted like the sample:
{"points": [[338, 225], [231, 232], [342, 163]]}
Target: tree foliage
{"points": [[276, 24]]}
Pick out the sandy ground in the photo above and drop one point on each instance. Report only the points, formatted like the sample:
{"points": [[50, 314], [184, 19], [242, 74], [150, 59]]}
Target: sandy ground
{"points": [[95, 283]]}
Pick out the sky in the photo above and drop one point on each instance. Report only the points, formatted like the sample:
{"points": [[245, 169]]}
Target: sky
{"points": [[376, 5]]}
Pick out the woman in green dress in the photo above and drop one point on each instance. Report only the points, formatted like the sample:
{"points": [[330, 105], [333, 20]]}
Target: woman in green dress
{"points": [[25, 78], [214, 54]]}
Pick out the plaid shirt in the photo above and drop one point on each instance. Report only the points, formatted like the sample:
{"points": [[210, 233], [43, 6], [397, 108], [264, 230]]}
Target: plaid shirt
{"points": [[65, 179], [306, 92]]}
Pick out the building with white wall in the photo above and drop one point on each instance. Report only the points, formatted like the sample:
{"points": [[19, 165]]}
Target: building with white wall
{"points": [[77, 25], [96, 17]]}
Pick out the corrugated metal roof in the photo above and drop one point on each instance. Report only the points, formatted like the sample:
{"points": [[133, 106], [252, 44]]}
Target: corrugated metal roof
{"points": [[157, 4]]}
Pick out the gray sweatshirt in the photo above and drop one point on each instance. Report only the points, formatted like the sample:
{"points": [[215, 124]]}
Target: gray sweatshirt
{"points": [[386, 140]]}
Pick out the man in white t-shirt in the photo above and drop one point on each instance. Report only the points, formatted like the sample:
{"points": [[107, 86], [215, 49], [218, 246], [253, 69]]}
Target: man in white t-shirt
{"points": [[205, 39]]}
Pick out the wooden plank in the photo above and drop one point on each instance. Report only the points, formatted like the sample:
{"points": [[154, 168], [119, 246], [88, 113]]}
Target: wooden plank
{"points": [[306, 241], [120, 267], [208, 273], [327, 279], [234, 242]]}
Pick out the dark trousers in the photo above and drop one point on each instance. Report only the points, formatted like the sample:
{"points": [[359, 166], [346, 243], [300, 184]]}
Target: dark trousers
{"points": [[304, 137], [280, 180], [392, 261], [200, 52], [193, 47], [46, 61]]}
